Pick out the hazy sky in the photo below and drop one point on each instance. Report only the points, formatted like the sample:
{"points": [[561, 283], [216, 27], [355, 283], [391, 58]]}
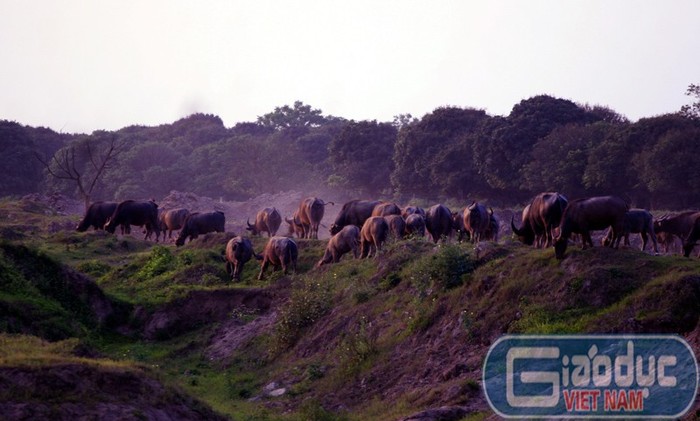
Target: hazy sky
{"points": [[79, 66]]}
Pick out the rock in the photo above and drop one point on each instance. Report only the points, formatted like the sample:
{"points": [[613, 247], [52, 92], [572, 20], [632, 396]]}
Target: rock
{"points": [[277, 392]]}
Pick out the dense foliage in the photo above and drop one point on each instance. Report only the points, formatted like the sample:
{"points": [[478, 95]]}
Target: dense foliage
{"points": [[462, 154]]}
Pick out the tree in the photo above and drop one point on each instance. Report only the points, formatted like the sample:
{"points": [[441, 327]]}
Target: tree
{"points": [[84, 163], [360, 156], [292, 117], [692, 110]]}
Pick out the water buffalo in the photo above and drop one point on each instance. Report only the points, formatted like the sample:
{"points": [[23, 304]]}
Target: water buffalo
{"points": [[171, 220], [637, 221], [493, 228], [582, 216], [692, 237], [372, 236], [410, 210], [354, 212], [131, 212], [238, 251], [345, 241], [679, 225], [266, 220], [397, 225], [310, 214], [438, 222], [386, 208], [96, 216], [198, 223], [526, 233], [279, 252], [295, 226], [458, 226], [415, 225], [543, 217], [476, 221]]}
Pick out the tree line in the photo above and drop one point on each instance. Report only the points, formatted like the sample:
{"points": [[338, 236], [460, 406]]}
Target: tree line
{"points": [[452, 153]]}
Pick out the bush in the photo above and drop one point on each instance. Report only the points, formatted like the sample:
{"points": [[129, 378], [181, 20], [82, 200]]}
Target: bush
{"points": [[306, 305], [160, 261]]}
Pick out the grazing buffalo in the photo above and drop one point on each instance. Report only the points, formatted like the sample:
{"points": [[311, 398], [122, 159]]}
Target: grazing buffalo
{"points": [[692, 237], [267, 220], [372, 236], [415, 225], [438, 222], [543, 217], [310, 214], [585, 215], [397, 225], [198, 224], [172, 220], [678, 225], [96, 216], [354, 212], [279, 252], [386, 208], [238, 251], [295, 226], [637, 221], [347, 240], [667, 240], [526, 233], [410, 210], [458, 225], [131, 212], [476, 221], [494, 227]]}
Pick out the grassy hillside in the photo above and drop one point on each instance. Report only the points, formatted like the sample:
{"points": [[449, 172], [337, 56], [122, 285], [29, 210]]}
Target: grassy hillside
{"points": [[373, 339]]}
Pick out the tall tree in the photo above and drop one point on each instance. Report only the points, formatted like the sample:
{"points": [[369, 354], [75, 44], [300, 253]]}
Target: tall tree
{"points": [[84, 163]]}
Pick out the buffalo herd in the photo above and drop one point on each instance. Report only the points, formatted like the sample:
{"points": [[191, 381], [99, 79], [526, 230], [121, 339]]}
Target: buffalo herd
{"points": [[361, 227]]}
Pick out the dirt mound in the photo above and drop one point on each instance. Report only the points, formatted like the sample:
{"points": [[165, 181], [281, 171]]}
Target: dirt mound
{"points": [[200, 308], [84, 391], [55, 203]]}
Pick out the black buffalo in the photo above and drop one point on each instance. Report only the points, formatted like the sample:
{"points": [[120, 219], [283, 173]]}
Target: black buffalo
{"points": [[131, 212], [637, 221], [354, 212], [198, 223], [585, 215], [96, 216]]}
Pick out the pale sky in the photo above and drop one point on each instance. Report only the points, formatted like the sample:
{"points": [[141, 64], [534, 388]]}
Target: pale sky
{"points": [[79, 66]]}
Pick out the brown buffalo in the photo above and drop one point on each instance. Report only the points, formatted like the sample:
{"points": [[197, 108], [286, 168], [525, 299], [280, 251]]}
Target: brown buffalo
{"points": [[410, 210], [585, 215], [347, 240], [526, 233], [198, 224], [372, 236], [438, 222], [637, 221], [493, 229], [310, 214], [354, 212], [280, 252], [239, 250], [131, 212], [397, 225], [415, 225], [171, 220], [386, 208], [543, 217], [295, 226], [476, 221], [266, 220]]}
